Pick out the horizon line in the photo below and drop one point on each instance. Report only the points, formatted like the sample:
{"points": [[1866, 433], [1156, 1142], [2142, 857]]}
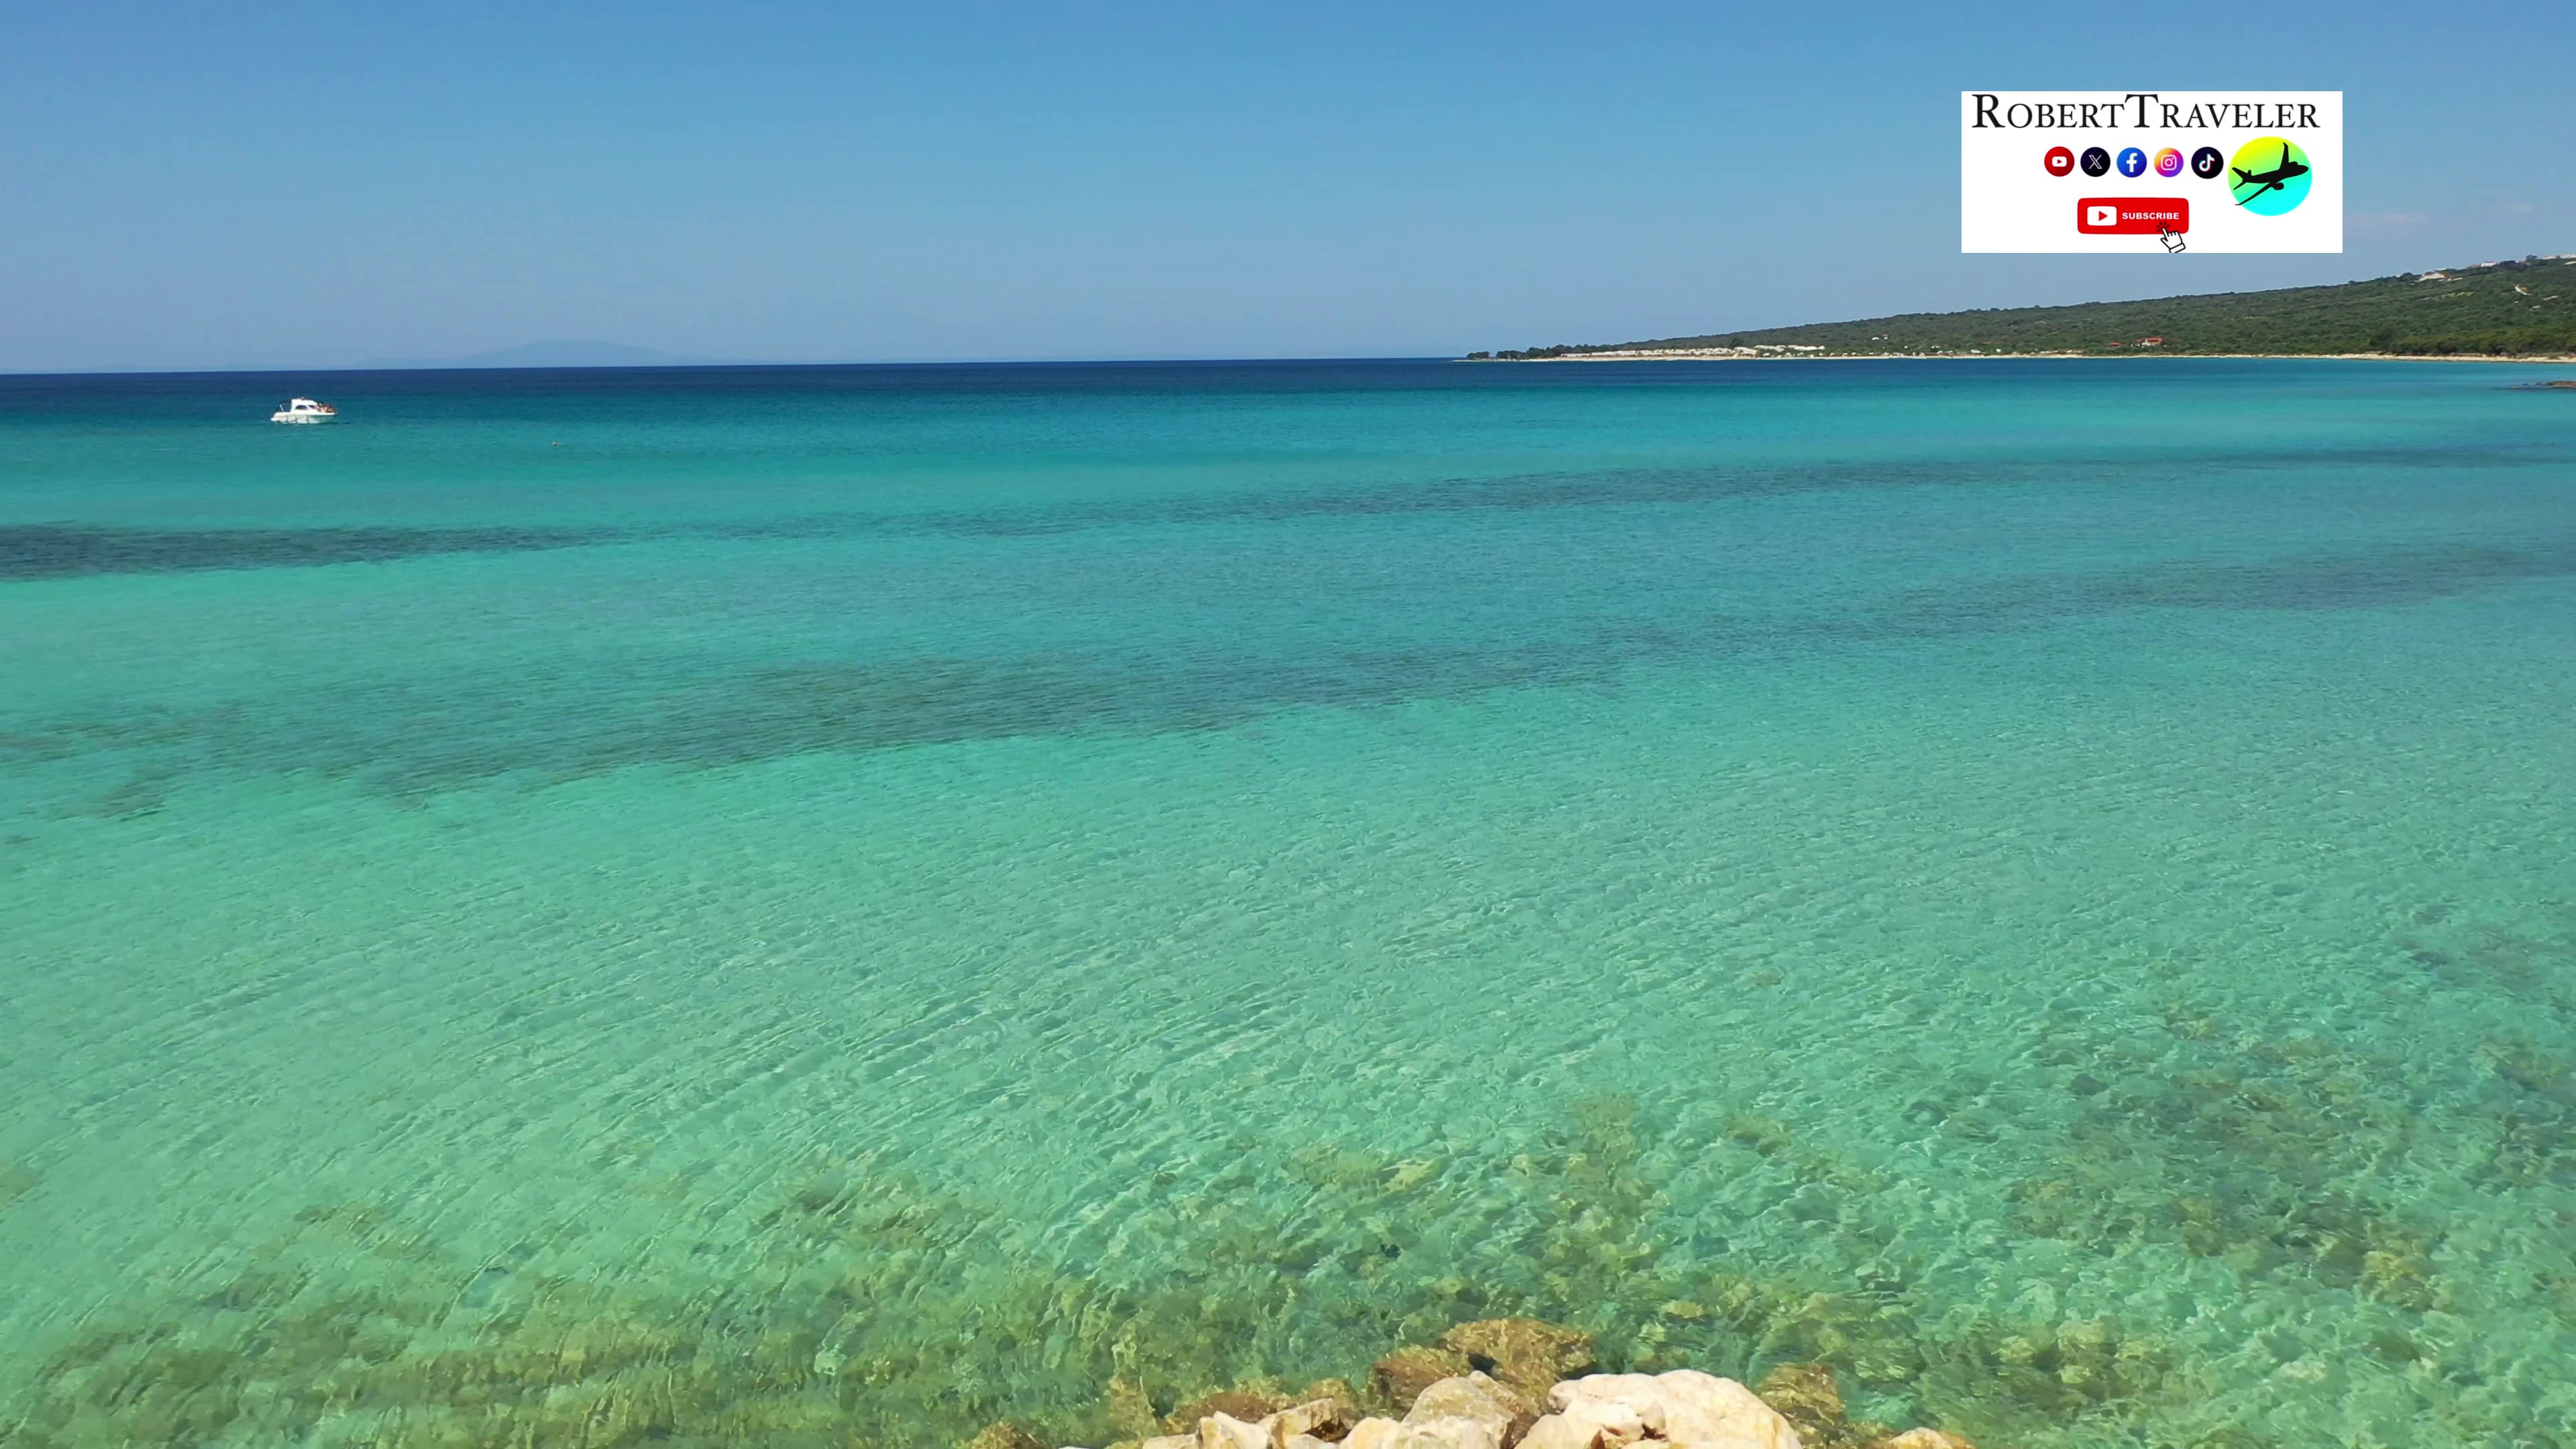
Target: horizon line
{"points": [[346, 369]]}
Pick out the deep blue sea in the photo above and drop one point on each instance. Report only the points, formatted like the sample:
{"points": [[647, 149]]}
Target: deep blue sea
{"points": [[828, 905]]}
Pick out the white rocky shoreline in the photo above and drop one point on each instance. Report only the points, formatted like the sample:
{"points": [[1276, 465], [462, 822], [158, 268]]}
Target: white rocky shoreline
{"points": [[1508, 1383]]}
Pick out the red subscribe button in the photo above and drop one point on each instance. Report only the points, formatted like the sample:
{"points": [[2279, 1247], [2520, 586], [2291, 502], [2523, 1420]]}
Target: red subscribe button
{"points": [[2132, 215]]}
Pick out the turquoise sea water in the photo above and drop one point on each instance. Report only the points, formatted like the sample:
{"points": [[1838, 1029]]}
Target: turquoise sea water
{"points": [[796, 905]]}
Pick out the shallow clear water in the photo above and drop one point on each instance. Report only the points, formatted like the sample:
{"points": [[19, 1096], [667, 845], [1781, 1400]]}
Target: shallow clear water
{"points": [[785, 904]]}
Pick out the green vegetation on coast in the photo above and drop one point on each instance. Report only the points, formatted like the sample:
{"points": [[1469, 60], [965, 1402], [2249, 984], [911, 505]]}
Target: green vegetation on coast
{"points": [[2495, 309]]}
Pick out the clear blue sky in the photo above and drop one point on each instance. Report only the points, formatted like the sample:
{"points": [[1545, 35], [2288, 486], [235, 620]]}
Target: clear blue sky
{"points": [[310, 184]]}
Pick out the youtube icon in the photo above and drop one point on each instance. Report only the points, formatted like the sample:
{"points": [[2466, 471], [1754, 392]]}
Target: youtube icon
{"points": [[2132, 215]]}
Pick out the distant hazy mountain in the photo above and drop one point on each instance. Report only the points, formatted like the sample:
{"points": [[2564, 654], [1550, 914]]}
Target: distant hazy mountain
{"points": [[551, 354]]}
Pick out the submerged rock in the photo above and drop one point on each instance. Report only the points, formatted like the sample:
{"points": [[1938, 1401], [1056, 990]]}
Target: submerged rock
{"points": [[1684, 1407], [1924, 1439], [1803, 1392], [1400, 1377], [1131, 1410], [1807, 1396], [1005, 1435], [1249, 1403], [1530, 1354]]}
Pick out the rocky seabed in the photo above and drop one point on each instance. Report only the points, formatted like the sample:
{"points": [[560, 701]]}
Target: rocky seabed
{"points": [[1510, 1383]]}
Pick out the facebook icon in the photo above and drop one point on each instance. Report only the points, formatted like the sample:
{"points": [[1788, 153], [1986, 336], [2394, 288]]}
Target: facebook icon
{"points": [[2133, 162]]}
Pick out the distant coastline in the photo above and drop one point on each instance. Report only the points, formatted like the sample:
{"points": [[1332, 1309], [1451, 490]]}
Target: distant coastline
{"points": [[2505, 311], [2144, 354]]}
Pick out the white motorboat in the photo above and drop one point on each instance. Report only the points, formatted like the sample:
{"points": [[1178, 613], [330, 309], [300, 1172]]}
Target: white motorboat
{"points": [[303, 410]]}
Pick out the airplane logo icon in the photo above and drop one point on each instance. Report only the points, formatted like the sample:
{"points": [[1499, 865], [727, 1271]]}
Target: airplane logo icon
{"points": [[2273, 180], [2268, 176]]}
